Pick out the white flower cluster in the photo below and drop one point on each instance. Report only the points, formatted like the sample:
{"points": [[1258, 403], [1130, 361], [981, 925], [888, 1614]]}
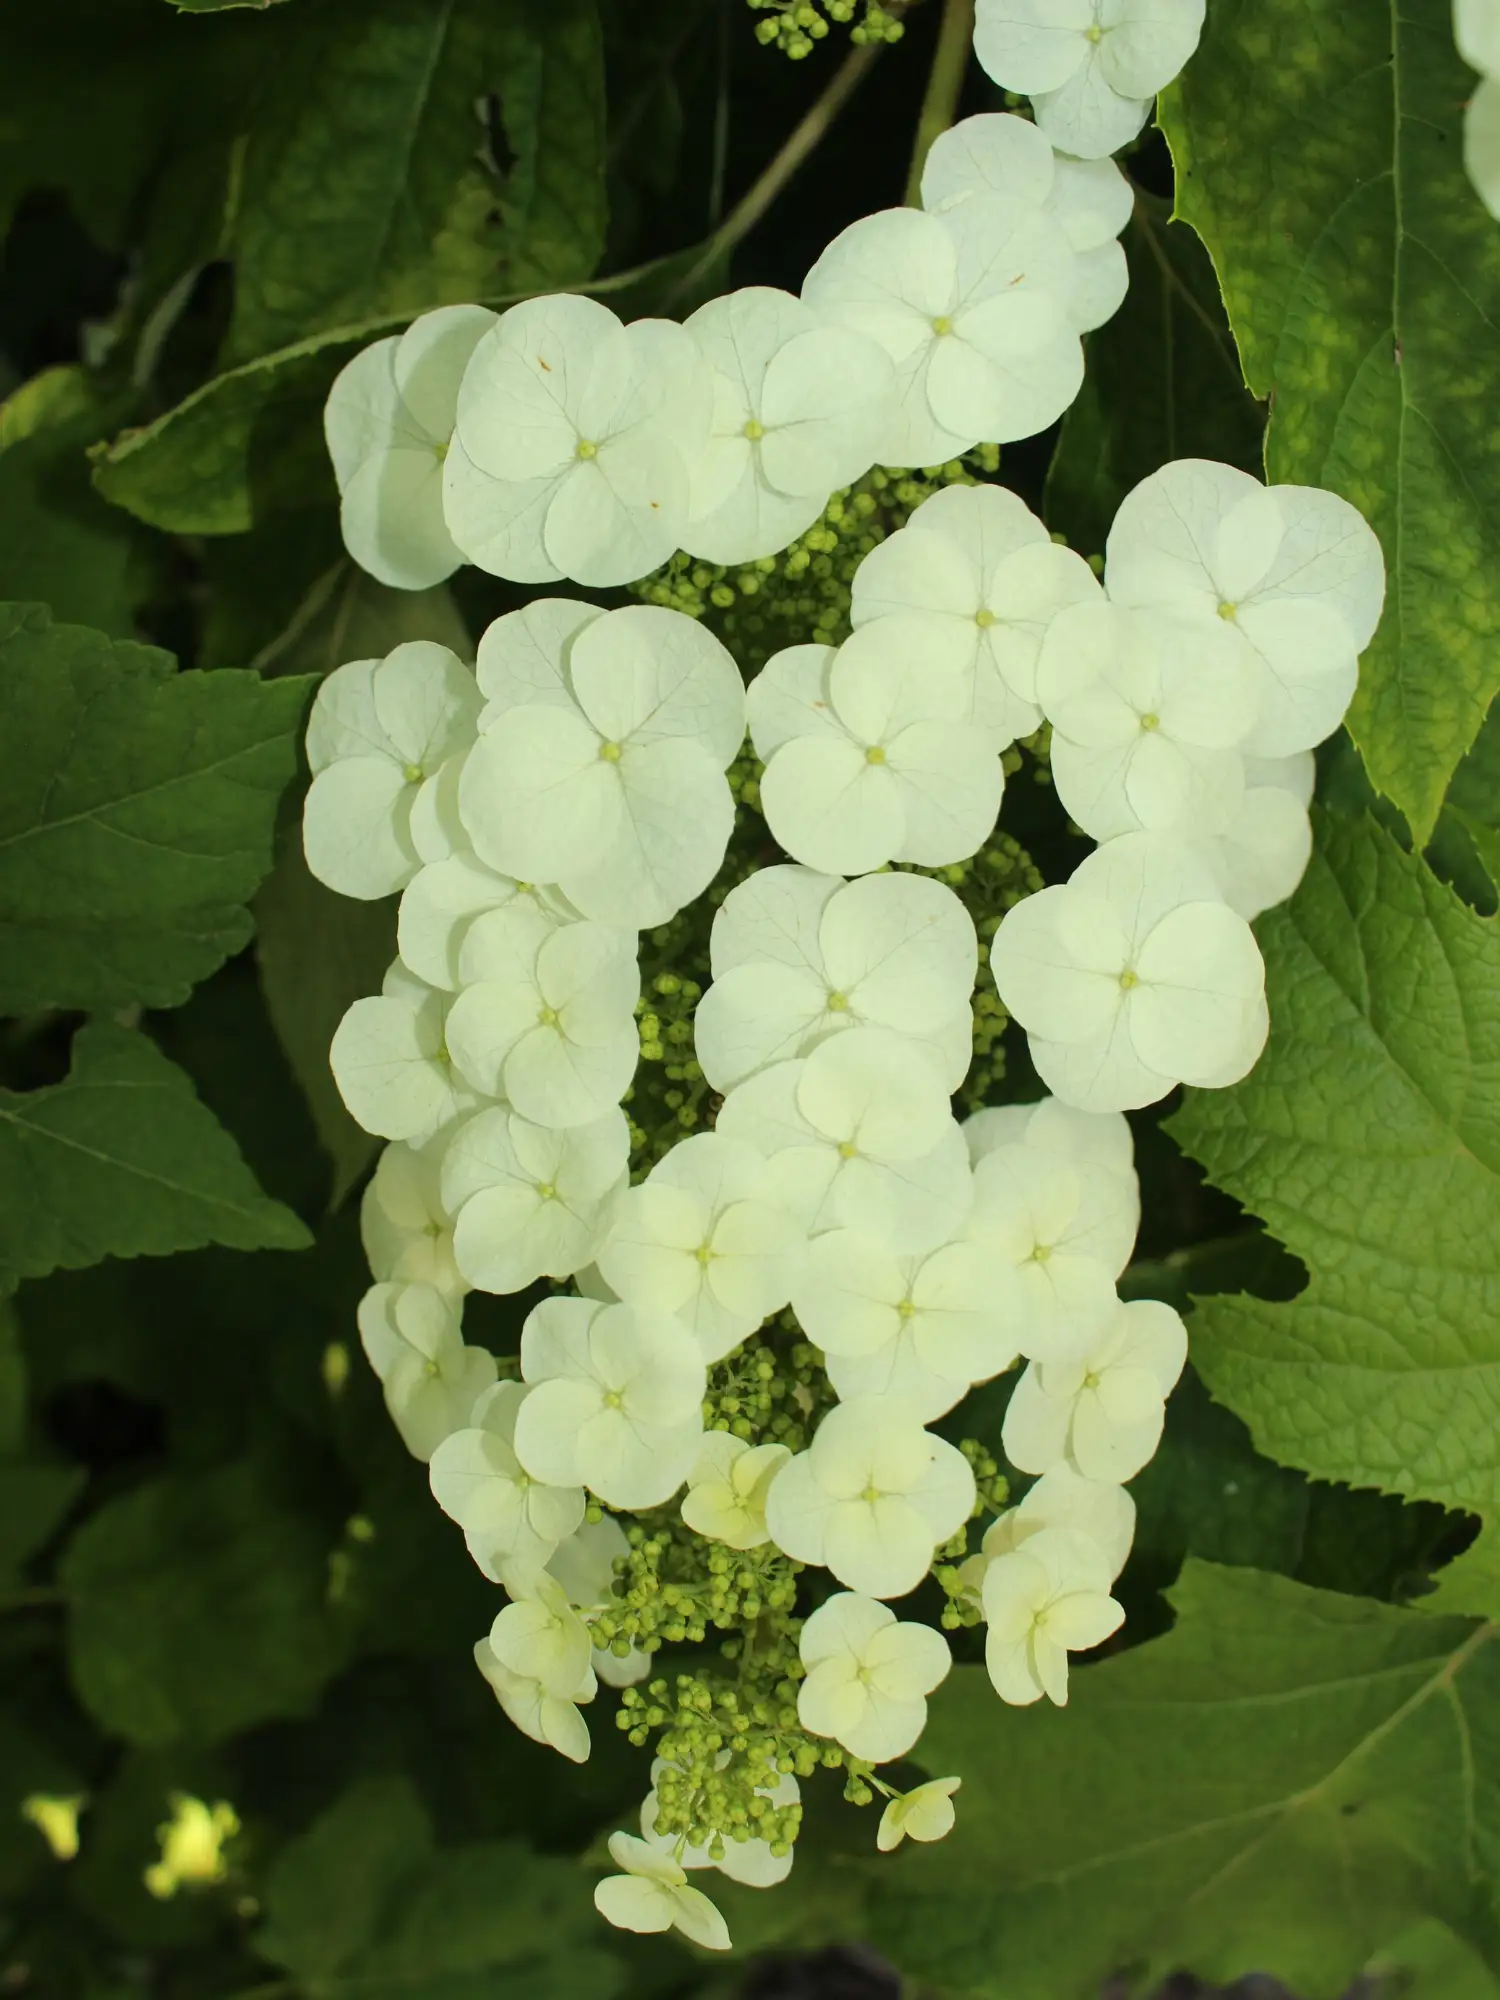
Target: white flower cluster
{"points": [[539, 811], [1476, 29], [1091, 68], [573, 785], [554, 441]]}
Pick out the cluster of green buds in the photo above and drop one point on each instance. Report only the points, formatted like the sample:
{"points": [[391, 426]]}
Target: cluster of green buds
{"points": [[802, 596], [797, 26]]}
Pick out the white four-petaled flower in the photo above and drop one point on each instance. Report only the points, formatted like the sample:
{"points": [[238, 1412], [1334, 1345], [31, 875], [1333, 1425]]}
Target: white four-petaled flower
{"points": [[513, 1524], [574, 444], [871, 1498], [704, 1237], [545, 1718], [653, 1894], [868, 1676], [532, 1201], [982, 580], [390, 1060], [973, 308], [616, 1402], [388, 422], [798, 408], [925, 1813], [406, 1231], [1133, 976], [1148, 716], [607, 778], [728, 1487], [1090, 67], [431, 1380], [546, 1014], [1295, 572], [916, 1331], [870, 754], [858, 1134], [380, 735], [1043, 1600], [1089, 200], [799, 956], [1101, 1413]]}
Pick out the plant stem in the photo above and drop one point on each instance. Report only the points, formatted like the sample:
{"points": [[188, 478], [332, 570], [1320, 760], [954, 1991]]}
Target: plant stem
{"points": [[945, 80], [774, 179]]}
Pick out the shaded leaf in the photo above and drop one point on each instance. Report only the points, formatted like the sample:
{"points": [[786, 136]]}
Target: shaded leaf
{"points": [[363, 1902], [137, 807], [367, 184], [198, 1605], [59, 542], [1163, 382], [1368, 1139], [1283, 1783], [122, 1160]]}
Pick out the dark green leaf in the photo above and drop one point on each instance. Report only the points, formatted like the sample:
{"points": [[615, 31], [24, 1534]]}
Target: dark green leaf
{"points": [[33, 1501], [368, 189], [318, 954], [1368, 1138], [122, 1160], [364, 1903], [1283, 1783], [327, 1895], [1163, 382], [59, 542], [199, 1605], [137, 807], [250, 442], [1319, 154]]}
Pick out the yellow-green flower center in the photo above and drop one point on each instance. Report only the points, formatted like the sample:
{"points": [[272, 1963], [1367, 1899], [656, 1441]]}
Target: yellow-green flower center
{"points": [[755, 430], [1150, 722], [1129, 980], [586, 448], [942, 324], [875, 755], [1228, 610], [610, 752], [985, 619], [413, 774]]}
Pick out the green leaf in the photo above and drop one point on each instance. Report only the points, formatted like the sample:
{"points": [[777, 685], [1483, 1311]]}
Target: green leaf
{"points": [[1368, 1139], [249, 443], [122, 1160], [1474, 796], [327, 1893], [59, 542], [33, 1501], [1283, 1783], [1319, 154], [318, 954], [1163, 382], [363, 1902], [198, 1606], [1430, 1960], [367, 189], [137, 807]]}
